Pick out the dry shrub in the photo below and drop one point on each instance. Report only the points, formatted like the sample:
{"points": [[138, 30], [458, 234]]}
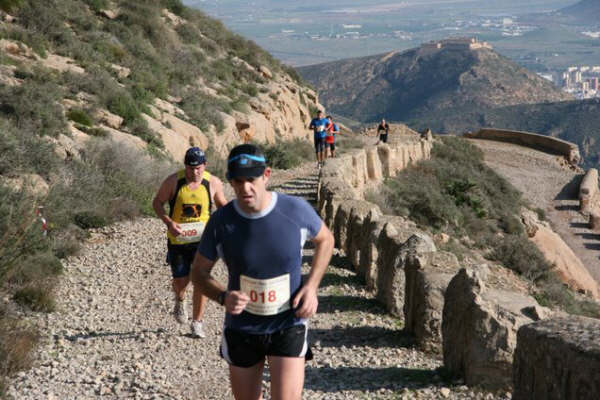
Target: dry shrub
{"points": [[17, 343]]}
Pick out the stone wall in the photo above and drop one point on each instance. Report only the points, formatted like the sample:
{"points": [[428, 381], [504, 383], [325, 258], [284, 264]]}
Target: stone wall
{"points": [[588, 189], [558, 359], [398, 261], [541, 142], [473, 322]]}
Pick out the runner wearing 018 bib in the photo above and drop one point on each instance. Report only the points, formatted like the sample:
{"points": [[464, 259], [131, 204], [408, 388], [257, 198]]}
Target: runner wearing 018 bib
{"points": [[190, 194], [260, 236]]}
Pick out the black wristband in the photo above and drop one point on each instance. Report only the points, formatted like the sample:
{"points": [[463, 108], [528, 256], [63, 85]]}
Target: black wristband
{"points": [[221, 297]]}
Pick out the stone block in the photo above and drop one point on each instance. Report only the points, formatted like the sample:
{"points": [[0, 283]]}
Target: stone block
{"points": [[479, 329], [558, 359], [427, 277]]}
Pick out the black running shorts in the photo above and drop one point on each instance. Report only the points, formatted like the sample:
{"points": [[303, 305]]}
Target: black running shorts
{"points": [[319, 144], [245, 350], [383, 137]]}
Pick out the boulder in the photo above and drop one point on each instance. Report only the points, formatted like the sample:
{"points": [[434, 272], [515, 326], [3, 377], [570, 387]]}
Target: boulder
{"points": [[374, 169], [362, 213], [108, 118], [390, 280], [427, 276], [266, 72], [479, 328], [588, 189], [360, 175], [390, 270], [368, 263], [32, 183], [558, 359]]}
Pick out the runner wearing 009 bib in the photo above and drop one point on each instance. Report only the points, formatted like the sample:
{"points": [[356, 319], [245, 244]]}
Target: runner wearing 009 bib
{"points": [[260, 236], [190, 193]]}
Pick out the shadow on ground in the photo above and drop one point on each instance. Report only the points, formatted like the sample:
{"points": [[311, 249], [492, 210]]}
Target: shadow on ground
{"points": [[571, 190], [122, 335], [331, 303], [328, 379], [371, 336]]}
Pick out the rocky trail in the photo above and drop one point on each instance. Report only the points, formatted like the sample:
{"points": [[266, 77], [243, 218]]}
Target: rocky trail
{"points": [[114, 335], [547, 184]]}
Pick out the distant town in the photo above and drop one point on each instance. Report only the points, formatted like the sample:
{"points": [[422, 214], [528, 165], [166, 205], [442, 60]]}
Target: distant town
{"points": [[583, 81]]}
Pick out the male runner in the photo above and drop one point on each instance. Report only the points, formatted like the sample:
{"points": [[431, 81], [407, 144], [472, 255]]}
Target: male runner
{"points": [[190, 193], [385, 128], [319, 125], [260, 236], [331, 137]]}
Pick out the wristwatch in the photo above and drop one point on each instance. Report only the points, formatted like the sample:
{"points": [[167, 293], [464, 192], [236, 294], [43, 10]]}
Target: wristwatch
{"points": [[221, 298]]}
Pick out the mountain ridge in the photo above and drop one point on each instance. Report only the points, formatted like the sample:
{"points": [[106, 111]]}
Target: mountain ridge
{"points": [[425, 80]]}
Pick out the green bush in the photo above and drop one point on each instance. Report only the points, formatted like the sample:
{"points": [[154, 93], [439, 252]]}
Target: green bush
{"points": [[10, 5], [551, 292], [37, 297], [97, 5], [20, 230], [89, 219], [289, 154], [17, 344], [35, 268], [80, 116], [520, 255], [34, 106]]}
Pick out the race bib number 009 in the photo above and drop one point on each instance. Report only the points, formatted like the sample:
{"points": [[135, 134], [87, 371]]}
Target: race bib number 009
{"points": [[190, 232], [267, 296]]}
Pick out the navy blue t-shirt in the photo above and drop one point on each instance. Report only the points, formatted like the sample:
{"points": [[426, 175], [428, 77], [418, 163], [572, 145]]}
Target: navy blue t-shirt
{"points": [[261, 246], [319, 127]]}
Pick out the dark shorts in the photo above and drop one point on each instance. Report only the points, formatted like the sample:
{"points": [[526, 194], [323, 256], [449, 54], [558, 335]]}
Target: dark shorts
{"points": [[332, 146], [245, 350], [319, 144], [383, 137], [180, 258]]}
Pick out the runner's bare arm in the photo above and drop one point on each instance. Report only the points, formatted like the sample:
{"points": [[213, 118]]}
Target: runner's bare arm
{"points": [[235, 301], [307, 295], [217, 190], [164, 194]]}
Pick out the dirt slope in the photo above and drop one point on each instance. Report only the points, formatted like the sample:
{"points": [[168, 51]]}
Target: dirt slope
{"points": [[547, 184]]}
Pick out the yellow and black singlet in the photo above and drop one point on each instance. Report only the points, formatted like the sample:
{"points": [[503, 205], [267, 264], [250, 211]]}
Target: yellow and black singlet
{"points": [[190, 209]]}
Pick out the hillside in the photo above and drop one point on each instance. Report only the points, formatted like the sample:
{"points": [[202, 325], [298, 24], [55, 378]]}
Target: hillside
{"points": [[98, 100], [585, 10], [427, 82], [156, 70]]}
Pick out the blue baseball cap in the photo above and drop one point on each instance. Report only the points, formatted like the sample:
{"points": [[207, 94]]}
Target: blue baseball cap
{"points": [[246, 160], [194, 156]]}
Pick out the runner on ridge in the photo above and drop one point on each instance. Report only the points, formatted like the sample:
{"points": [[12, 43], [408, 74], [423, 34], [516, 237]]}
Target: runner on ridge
{"points": [[260, 236], [331, 137], [319, 126], [190, 193]]}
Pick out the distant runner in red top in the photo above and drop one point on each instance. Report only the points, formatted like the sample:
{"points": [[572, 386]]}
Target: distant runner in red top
{"points": [[331, 136]]}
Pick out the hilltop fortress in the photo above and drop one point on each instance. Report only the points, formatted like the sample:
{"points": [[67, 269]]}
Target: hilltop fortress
{"points": [[457, 44]]}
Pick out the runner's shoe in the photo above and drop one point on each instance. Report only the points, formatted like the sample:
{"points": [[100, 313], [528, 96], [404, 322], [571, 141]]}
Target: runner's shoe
{"points": [[198, 329], [180, 312]]}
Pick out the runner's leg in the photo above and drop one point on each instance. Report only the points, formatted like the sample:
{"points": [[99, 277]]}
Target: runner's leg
{"points": [[179, 286], [199, 304], [287, 377], [246, 383]]}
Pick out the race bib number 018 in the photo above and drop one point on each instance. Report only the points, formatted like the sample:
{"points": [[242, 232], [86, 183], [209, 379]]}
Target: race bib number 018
{"points": [[190, 232], [267, 296]]}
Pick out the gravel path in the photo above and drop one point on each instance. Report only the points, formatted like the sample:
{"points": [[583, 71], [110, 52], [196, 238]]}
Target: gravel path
{"points": [[546, 183], [114, 335]]}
